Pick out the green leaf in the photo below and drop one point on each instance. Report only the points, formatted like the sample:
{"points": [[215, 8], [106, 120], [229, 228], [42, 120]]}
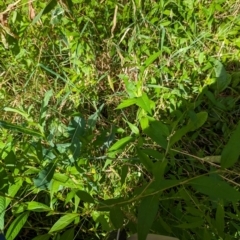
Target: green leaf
{"points": [[124, 171], [127, 103], [231, 151], [223, 79], [120, 143], [144, 103], [45, 176], [76, 130], [146, 214], [150, 60], [44, 107], [42, 237], [12, 190], [133, 128], [116, 217], [51, 4], [22, 113], [216, 188], [2, 212], [199, 120], [159, 169], [20, 129], [195, 223], [69, 234], [84, 196], [220, 223], [92, 120], [145, 160], [16, 226], [63, 222], [158, 132], [37, 207]]}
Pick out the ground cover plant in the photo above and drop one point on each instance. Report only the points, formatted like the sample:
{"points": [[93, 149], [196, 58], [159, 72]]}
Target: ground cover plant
{"points": [[119, 116]]}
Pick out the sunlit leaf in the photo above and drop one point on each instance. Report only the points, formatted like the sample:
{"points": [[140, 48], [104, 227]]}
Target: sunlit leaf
{"points": [[2, 212], [120, 143], [126, 103], [16, 226], [63, 222], [144, 103], [37, 207]]}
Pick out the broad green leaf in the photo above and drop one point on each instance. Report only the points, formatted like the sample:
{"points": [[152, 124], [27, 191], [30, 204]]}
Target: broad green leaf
{"points": [[37, 207], [2, 212], [127, 103], [231, 151], [216, 188], [220, 223], [157, 132], [84, 196], [144, 102], [120, 143], [133, 128], [116, 217], [42, 237], [68, 234], [144, 122], [146, 214], [63, 222], [44, 107], [200, 119], [45, 176], [223, 78], [124, 172], [76, 130], [16, 226], [145, 160], [158, 169], [12, 191], [20, 129]]}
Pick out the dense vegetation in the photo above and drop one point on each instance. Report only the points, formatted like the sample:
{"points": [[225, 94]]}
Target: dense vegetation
{"points": [[119, 115]]}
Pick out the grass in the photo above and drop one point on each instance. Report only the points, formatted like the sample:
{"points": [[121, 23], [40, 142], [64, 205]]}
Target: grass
{"points": [[141, 92]]}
